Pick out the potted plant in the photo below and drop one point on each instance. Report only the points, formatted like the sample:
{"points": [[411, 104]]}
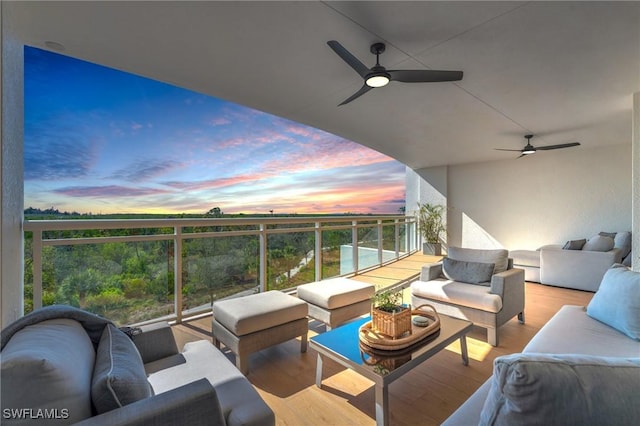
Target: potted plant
{"points": [[431, 226], [388, 315]]}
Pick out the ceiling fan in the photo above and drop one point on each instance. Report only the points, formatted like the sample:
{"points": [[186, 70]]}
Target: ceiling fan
{"points": [[378, 76], [530, 149]]}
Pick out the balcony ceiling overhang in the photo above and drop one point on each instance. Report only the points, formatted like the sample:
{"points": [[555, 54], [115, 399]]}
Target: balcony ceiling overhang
{"points": [[565, 71]]}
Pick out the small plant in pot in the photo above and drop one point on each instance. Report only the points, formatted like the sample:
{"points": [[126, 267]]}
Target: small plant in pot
{"points": [[431, 226], [388, 315]]}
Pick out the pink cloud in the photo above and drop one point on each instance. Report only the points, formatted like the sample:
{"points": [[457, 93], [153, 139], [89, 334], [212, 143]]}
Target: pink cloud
{"points": [[214, 183], [326, 156]]}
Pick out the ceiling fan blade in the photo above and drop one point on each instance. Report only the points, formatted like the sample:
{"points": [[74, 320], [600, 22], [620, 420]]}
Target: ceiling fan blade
{"points": [[424, 76], [364, 89], [514, 150], [562, 145], [351, 60]]}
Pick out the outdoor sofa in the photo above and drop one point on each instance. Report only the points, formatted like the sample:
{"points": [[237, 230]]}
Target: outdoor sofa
{"points": [[582, 367], [579, 264]]}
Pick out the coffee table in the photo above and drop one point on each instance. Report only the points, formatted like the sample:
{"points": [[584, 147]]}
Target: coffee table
{"points": [[383, 367]]}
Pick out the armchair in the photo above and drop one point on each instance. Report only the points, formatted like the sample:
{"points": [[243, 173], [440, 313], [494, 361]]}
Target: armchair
{"points": [[480, 286]]}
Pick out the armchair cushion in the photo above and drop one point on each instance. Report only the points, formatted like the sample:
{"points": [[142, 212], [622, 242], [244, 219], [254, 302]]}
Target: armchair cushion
{"points": [[531, 389], [467, 272], [458, 293], [118, 376], [499, 257], [617, 301]]}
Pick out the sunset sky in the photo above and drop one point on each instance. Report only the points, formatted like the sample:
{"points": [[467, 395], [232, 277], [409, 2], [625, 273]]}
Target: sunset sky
{"points": [[102, 141]]}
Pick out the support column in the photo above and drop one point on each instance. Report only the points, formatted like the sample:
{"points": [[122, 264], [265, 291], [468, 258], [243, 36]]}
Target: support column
{"points": [[635, 184], [11, 177]]}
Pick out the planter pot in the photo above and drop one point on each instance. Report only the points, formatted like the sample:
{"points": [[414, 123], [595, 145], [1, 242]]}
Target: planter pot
{"points": [[392, 324], [434, 249]]}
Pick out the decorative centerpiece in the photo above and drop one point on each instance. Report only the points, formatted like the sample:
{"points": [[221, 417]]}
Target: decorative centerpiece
{"points": [[389, 316], [376, 340]]}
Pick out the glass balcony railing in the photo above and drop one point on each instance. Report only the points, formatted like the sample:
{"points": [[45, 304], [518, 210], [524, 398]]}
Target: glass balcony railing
{"points": [[141, 270]]}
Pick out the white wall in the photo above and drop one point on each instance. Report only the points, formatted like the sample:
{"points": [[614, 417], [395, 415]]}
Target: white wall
{"points": [[547, 198]]}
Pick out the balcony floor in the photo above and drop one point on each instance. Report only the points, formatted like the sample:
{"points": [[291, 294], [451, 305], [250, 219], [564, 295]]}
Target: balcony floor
{"points": [[285, 378]]}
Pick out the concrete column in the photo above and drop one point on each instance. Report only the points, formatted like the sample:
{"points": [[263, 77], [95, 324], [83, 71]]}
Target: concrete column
{"points": [[635, 184], [11, 177], [428, 185]]}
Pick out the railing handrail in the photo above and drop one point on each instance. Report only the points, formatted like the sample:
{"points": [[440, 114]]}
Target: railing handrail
{"points": [[84, 224]]}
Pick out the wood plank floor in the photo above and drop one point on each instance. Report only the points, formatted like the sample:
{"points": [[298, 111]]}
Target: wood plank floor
{"points": [[285, 378]]}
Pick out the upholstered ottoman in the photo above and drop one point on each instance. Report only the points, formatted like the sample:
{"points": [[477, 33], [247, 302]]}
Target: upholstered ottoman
{"points": [[255, 322], [337, 300]]}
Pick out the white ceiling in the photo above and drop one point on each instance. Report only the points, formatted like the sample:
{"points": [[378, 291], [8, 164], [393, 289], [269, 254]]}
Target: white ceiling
{"points": [[565, 71]]}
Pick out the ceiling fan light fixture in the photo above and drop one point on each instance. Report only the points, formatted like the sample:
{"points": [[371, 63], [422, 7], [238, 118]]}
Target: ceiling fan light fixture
{"points": [[378, 80], [528, 151]]}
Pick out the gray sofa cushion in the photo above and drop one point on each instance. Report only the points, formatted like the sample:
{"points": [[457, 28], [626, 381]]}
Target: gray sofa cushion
{"points": [[574, 244], [617, 301], [598, 243], [468, 272], [499, 257], [55, 357], [119, 377], [533, 389]]}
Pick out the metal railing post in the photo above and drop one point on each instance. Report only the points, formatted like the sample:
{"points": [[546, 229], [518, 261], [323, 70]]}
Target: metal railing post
{"points": [[263, 257], [318, 251], [354, 245], [396, 237], [380, 247], [177, 272], [36, 247]]}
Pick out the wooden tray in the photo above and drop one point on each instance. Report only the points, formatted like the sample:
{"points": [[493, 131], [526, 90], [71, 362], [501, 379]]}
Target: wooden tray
{"points": [[378, 340]]}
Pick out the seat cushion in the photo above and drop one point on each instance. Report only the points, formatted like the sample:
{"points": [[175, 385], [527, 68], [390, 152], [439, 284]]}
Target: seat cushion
{"points": [[248, 314], [55, 357], [571, 331], [240, 402], [499, 257], [457, 293], [537, 389], [335, 292], [118, 376]]}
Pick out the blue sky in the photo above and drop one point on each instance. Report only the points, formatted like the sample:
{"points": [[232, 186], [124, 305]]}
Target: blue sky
{"points": [[103, 141]]}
